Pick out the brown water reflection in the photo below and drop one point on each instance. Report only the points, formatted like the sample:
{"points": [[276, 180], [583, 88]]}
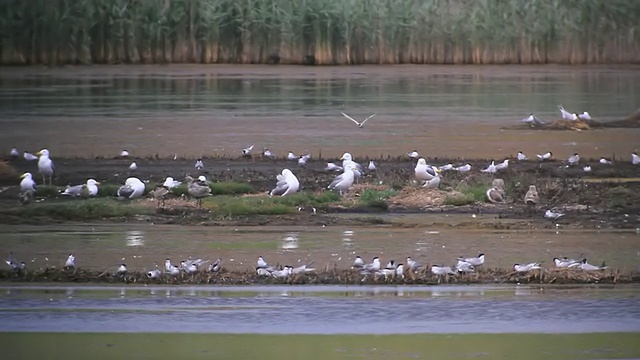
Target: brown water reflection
{"points": [[215, 110]]}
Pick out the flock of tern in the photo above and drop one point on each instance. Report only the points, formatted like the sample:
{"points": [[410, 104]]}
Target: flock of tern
{"points": [[463, 265]]}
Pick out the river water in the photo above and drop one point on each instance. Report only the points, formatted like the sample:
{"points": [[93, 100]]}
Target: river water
{"points": [[452, 111]]}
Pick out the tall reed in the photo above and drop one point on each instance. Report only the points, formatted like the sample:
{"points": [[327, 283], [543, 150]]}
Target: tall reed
{"points": [[334, 31]]}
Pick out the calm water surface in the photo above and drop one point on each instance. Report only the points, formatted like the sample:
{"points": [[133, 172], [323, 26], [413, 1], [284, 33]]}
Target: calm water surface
{"points": [[195, 110], [322, 310]]}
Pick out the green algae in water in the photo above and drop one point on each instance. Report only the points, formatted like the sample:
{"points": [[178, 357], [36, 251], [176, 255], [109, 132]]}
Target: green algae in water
{"points": [[278, 347]]}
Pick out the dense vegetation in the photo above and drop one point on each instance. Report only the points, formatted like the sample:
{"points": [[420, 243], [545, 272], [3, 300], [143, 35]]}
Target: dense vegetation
{"points": [[334, 31]]}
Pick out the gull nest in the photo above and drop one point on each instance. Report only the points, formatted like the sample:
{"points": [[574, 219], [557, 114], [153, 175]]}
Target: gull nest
{"points": [[418, 197]]}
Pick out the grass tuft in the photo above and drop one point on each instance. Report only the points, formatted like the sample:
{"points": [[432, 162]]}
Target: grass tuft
{"points": [[47, 191], [89, 209]]}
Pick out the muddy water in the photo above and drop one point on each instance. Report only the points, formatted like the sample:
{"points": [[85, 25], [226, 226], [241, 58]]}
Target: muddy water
{"points": [[141, 247], [216, 110], [323, 310]]}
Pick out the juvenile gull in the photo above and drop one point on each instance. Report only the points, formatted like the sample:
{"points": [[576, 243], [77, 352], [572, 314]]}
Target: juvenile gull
{"points": [[531, 197], [198, 189], [45, 166], [287, 184], [199, 165]]}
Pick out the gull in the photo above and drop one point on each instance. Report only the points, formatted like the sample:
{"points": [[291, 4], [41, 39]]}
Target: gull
{"points": [[29, 156], [545, 156], [247, 151], [169, 183], [154, 274], [526, 267], [586, 168], [132, 188], [531, 197], [584, 116], [635, 159], [533, 120], [495, 195], [604, 161], [45, 165], [521, 156], [372, 166], [423, 171], [343, 182], [124, 153], [584, 265], [174, 270], [71, 262], [199, 165], [133, 166], [303, 269], [464, 168], [551, 215], [412, 264], [122, 269], [284, 273], [503, 165], [216, 266], [268, 153], [414, 154], [27, 182], [373, 266], [573, 159], [565, 262], [360, 124], [348, 160], [491, 169], [475, 261], [441, 270], [333, 167], [433, 183], [26, 197], [159, 193], [198, 189], [90, 188], [566, 115], [14, 153], [292, 156], [287, 184], [358, 263]]}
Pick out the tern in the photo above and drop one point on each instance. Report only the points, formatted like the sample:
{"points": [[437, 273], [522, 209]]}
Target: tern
{"points": [[268, 154], [441, 270], [463, 267], [521, 156], [584, 116], [527, 267], [412, 264], [71, 262], [358, 263], [360, 124], [491, 169], [45, 166], [133, 166], [303, 269], [199, 165], [503, 165], [167, 265], [604, 161], [586, 168], [29, 156], [635, 159], [285, 272], [567, 115], [122, 269], [292, 156], [446, 167], [262, 264], [414, 154], [373, 266], [400, 271], [533, 120], [552, 215], [124, 153], [565, 262], [263, 272], [372, 166], [475, 261], [14, 153], [584, 265], [302, 161], [174, 270], [247, 151], [89, 189], [464, 168], [169, 183], [333, 167], [387, 273], [573, 159], [545, 156], [391, 265], [215, 266], [154, 274]]}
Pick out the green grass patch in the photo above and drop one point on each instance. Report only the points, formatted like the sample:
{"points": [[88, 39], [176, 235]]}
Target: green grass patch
{"points": [[459, 199], [108, 190], [31, 345], [47, 191], [376, 198], [226, 205], [88, 209], [220, 188]]}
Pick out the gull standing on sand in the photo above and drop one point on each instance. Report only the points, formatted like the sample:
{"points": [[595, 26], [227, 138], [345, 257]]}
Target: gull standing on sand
{"points": [[132, 188], [635, 159], [360, 124], [545, 156], [199, 165], [89, 189], [527, 267], [45, 166], [521, 156], [414, 154], [169, 183], [198, 189], [287, 184], [29, 156], [531, 197], [573, 159], [343, 182], [133, 166]]}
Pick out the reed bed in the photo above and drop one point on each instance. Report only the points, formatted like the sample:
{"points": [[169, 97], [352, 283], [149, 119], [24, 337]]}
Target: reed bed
{"points": [[328, 276], [320, 31]]}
